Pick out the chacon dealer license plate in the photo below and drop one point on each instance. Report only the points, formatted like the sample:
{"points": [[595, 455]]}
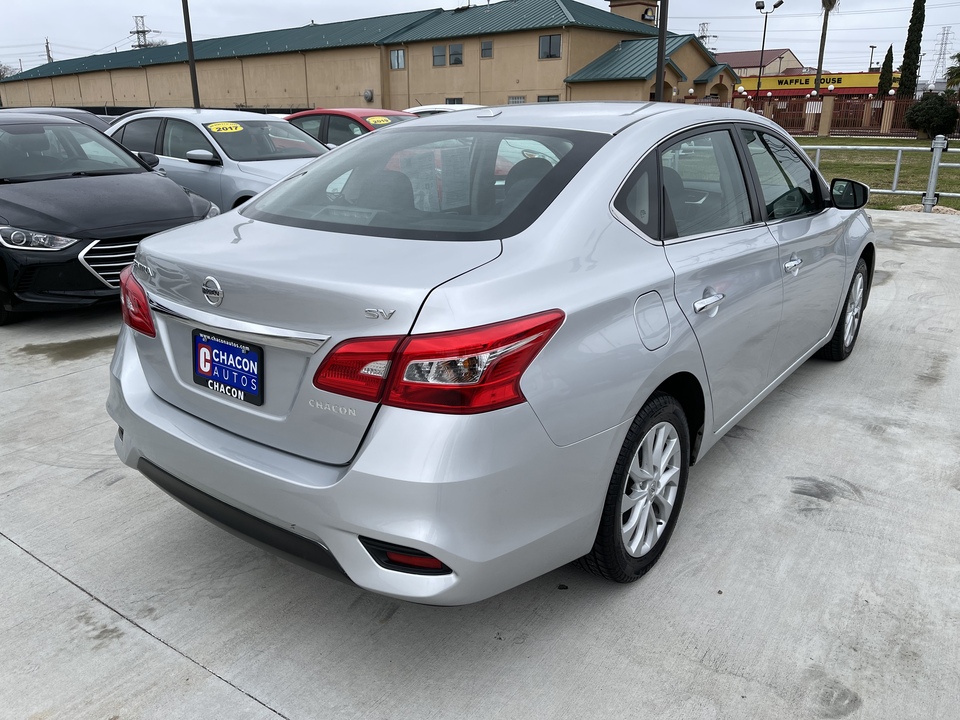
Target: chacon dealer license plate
{"points": [[228, 367]]}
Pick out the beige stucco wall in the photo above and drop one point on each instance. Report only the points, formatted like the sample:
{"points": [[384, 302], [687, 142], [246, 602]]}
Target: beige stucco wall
{"points": [[170, 85], [338, 77], [15, 94], [97, 89], [131, 88], [633, 90], [66, 90], [221, 83], [275, 80]]}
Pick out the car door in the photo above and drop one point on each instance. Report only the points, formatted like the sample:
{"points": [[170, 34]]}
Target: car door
{"points": [[809, 235], [178, 137], [139, 135], [341, 129], [726, 263]]}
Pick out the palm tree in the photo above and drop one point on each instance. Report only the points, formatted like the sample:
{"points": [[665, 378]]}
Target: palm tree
{"points": [[828, 6], [953, 72]]}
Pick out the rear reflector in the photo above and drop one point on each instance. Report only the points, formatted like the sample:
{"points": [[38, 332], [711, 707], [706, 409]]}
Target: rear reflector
{"points": [[403, 559]]}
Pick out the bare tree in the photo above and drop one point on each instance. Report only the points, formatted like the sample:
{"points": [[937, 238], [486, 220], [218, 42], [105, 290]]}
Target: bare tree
{"points": [[828, 7], [6, 71]]}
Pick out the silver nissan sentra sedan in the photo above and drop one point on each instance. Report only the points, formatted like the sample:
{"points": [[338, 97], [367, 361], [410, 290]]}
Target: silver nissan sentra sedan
{"points": [[449, 357]]}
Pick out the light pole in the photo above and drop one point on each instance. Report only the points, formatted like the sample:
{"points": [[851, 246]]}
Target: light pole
{"points": [[191, 60], [763, 43], [872, 48]]}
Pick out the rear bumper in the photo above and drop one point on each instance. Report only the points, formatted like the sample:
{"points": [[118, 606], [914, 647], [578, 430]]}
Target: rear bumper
{"points": [[489, 495], [262, 534]]}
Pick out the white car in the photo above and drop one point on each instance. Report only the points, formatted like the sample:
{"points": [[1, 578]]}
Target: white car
{"points": [[425, 110], [225, 156]]}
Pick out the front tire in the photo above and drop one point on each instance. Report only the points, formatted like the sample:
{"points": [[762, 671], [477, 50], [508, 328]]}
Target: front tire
{"points": [[645, 493], [848, 327]]}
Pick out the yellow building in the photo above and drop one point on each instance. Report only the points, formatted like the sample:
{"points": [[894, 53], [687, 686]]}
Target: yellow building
{"points": [[511, 51]]}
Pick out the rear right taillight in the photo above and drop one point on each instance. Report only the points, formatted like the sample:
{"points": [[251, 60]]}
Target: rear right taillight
{"points": [[460, 372], [136, 307]]}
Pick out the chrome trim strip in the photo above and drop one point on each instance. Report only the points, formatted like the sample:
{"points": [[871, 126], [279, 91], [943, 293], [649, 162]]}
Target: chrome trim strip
{"points": [[251, 332], [83, 261]]}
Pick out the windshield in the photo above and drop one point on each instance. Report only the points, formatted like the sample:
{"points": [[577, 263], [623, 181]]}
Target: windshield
{"points": [[436, 183], [38, 151], [381, 120], [250, 140]]}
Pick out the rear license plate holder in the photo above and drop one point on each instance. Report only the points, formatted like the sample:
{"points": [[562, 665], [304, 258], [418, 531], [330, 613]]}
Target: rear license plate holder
{"points": [[228, 367]]}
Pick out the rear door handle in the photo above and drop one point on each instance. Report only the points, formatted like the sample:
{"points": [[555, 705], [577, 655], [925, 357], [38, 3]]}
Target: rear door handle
{"points": [[708, 302], [792, 265]]}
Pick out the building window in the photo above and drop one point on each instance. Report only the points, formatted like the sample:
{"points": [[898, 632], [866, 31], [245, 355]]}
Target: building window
{"points": [[486, 48], [456, 54], [549, 46], [516, 99], [454, 101], [548, 98], [398, 59], [439, 55]]}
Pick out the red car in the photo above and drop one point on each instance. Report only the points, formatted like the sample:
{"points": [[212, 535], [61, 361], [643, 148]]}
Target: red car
{"points": [[335, 126]]}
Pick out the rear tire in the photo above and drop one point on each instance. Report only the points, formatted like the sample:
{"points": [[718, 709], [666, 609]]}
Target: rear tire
{"points": [[848, 326], [645, 493]]}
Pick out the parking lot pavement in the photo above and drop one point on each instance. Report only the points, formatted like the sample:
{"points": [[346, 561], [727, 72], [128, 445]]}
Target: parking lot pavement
{"points": [[813, 573]]}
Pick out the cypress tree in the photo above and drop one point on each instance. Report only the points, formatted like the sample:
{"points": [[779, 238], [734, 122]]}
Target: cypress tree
{"points": [[911, 52], [886, 74]]}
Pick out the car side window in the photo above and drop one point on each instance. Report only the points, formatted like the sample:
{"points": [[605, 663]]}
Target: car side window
{"points": [[341, 129], [141, 135], [786, 181], [180, 137], [310, 125], [704, 189], [638, 198]]}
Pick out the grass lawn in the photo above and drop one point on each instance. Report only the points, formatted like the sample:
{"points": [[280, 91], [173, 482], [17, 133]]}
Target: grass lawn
{"points": [[876, 168]]}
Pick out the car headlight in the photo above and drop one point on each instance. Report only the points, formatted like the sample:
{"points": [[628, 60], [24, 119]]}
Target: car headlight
{"points": [[19, 239], [212, 212]]}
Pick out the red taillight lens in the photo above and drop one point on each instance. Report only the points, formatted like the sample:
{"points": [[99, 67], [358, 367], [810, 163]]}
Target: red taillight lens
{"points": [[468, 371], [136, 308], [424, 562], [357, 368]]}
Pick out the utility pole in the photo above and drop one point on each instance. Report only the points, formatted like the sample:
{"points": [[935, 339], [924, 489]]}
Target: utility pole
{"points": [[870, 67], [47, 45], [661, 48], [191, 60]]}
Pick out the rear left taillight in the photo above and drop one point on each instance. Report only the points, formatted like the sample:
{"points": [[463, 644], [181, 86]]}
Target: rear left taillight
{"points": [[459, 372], [136, 307]]}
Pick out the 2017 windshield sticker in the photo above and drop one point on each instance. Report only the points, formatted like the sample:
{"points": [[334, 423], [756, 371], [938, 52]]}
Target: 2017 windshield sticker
{"points": [[378, 120], [224, 127]]}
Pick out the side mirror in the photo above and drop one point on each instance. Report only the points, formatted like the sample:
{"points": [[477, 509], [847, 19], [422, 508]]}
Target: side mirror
{"points": [[849, 194], [204, 157], [149, 158]]}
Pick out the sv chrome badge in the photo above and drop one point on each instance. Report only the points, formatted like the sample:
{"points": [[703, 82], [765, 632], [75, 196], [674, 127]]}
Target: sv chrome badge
{"points": [[377, 313], [211, 290]]}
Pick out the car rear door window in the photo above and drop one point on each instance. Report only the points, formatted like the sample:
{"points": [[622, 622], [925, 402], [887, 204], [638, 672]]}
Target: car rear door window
{"points": [[786, 181], [704, 189], [141, 135], [181, 137], [310, 125]]}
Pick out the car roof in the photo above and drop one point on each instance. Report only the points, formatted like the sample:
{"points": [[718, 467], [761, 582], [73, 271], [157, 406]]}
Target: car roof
{"points": [[356, 112], [15, 117], [604, 117], [84, 116], [204, 115], [443, 107]]}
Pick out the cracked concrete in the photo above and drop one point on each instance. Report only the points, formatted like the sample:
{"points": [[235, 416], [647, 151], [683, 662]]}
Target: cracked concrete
{"points": [[813, 572]]}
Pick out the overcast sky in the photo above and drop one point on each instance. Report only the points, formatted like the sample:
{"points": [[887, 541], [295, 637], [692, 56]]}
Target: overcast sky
{"points": [[76, 29]]}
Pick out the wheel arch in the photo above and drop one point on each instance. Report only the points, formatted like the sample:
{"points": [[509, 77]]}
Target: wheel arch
{"points": [[869, 256], [687, 390]]}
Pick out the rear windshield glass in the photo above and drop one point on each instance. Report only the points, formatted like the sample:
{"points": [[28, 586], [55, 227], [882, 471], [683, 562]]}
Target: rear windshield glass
{"points": [[252, 140], [432, 184]]}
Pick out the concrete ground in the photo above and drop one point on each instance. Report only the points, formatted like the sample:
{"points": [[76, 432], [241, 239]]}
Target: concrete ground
{"points": [[814, 573]]}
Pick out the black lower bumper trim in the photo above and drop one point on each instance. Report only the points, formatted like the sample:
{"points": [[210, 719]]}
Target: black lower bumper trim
{"points": [[267, 536]]}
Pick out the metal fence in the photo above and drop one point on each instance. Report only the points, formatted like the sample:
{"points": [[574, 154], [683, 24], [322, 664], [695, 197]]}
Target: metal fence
{"points": [[930, 196]]}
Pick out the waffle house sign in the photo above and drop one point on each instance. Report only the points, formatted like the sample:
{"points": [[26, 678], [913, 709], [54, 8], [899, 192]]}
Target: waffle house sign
{"points": [[801, 85]]}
